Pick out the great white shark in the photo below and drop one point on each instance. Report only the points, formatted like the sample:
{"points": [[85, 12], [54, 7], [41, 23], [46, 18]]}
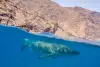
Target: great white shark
{"points": [[51, 50]]}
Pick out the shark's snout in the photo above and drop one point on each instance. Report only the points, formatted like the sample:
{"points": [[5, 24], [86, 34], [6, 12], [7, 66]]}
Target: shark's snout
{"points": [[75, 52]]}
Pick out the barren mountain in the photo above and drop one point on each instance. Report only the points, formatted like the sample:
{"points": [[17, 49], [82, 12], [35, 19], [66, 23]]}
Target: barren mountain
{"points": [[37, 16]]}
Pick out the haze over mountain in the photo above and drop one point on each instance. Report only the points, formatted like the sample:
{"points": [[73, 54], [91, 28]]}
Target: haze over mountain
{"points": [[47, 16], [89, 4]]}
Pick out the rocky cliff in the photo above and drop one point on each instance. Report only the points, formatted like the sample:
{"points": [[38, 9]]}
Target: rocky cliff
{"points": [[37, 16]]}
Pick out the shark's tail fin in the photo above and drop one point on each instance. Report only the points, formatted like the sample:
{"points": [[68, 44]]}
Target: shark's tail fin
{"points": [[26, 43]]}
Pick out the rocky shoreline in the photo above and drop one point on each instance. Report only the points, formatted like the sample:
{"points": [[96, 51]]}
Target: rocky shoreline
{"points": [[37, 16]]}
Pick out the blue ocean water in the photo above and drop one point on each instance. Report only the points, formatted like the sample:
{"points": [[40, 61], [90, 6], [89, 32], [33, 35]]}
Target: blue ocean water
{"points": [[12, 38]]}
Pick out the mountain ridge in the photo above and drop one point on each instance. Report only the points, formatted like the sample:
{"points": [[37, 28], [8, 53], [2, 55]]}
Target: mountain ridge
{"points": [[37, 16]]}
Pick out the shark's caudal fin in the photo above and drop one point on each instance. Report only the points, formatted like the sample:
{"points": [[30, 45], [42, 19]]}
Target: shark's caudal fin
{"points": [[26, 43], [23, 47]]}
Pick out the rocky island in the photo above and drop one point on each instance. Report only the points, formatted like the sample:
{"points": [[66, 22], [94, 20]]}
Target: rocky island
{"points": [[37, 16]]}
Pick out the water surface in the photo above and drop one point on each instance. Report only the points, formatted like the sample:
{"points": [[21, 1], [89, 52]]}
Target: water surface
{"points": [[11, 40]]}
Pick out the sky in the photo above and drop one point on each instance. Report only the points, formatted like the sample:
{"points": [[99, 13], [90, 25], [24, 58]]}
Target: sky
{"points": [[89, 4]]}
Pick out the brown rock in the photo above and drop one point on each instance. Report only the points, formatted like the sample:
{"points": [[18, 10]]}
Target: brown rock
{"points": [[45, 15]]}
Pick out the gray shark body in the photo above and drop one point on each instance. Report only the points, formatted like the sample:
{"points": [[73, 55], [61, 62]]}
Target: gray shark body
{"points": [[50, 50]]}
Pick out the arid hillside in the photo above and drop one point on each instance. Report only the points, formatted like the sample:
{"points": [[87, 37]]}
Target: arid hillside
{"points": [[37, 16]]}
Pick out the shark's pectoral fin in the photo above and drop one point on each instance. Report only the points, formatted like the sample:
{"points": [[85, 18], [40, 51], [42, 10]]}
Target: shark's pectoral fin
{"points": [[51, 55]]}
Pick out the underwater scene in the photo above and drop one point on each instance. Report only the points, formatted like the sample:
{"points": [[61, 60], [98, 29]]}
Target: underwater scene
{"points": [[22, 49]]}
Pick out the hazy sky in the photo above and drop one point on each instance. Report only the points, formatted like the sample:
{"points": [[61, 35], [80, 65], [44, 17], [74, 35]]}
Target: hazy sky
{"points": [[89, 4]]}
